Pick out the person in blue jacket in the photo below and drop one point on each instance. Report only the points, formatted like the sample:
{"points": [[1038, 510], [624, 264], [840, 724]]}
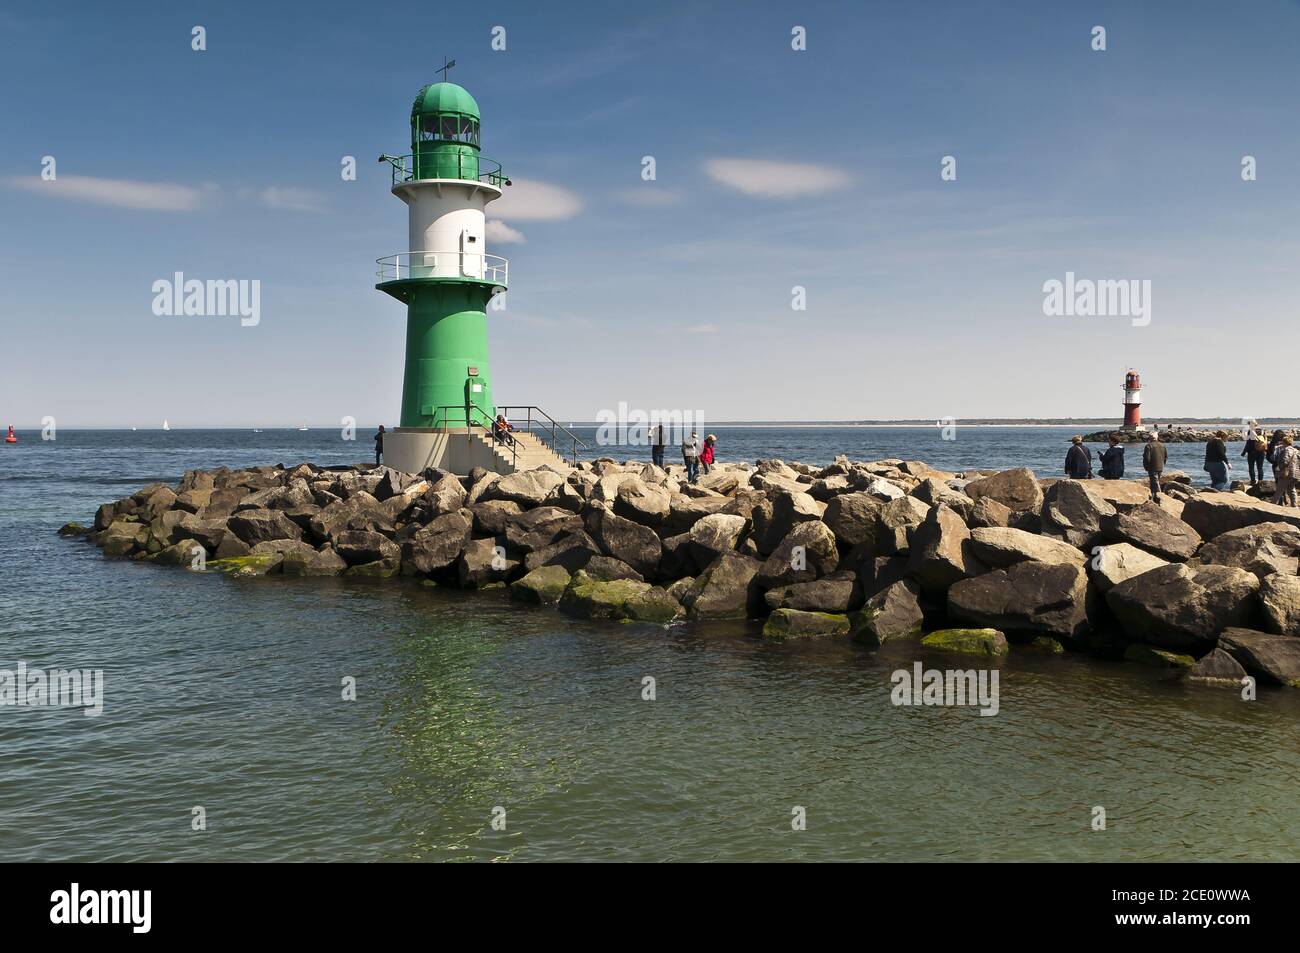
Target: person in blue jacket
{"points": [[1112, 460]]}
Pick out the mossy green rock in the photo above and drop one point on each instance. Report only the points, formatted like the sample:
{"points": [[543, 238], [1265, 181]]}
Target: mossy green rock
{"points": [[261, 565], [654, 605], [1161, 658], [378, 569], [798, 624], [326, 562], [967, 641], [600, 600], [73, 529], [543, 586]]}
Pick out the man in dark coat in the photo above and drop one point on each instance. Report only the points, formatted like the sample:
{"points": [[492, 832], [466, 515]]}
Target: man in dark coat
{"points": [[1112, 460], [1154, 457], [1078, 460]]}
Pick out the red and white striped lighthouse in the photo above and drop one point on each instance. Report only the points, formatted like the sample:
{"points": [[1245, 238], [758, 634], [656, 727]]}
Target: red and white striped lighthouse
{"points": [[1132, 401]]}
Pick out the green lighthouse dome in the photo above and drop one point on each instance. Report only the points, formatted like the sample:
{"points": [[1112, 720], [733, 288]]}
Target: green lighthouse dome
{"points": [[443, 98]]}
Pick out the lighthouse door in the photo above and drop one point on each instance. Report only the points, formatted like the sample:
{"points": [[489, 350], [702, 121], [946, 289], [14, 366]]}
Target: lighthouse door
{"points": [[474, 394]]}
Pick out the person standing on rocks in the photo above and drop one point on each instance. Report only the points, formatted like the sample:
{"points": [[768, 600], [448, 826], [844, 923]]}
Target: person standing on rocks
{"points": [[379, 445], [1112, 460], [1078, 460], [1286, 467], [691, 457], [1216, 460], [657, 445], [1254, 451], [1154, 457], [706, 453], [1271, 451]]}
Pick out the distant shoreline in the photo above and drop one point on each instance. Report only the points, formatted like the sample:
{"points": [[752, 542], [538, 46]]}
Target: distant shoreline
{"points": [[987, 424]]}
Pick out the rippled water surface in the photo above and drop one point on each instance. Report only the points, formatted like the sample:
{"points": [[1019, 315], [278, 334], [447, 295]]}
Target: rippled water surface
{"points": [[225, 694]]}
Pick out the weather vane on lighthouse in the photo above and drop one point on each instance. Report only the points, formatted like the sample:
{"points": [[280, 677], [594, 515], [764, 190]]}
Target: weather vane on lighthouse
{"points": [[445, 68]]}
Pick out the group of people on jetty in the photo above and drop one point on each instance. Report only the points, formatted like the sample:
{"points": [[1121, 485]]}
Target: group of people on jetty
{"points": [[1277, 450], [695, 455]]}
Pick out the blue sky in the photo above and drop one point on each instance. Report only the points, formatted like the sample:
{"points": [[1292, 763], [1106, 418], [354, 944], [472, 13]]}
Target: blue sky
{"points": [[924, 297]]}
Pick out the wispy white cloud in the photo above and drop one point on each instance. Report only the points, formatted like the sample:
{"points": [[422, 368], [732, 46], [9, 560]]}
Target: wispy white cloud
{"points": [[502, 234], [774, 180], [702, 329], [120, 193], [530, 200], [292, 199]]}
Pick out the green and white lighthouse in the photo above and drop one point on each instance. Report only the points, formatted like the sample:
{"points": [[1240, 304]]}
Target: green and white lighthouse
{"points": [[447, 280]]}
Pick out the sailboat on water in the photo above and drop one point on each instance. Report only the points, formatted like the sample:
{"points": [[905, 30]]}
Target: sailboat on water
{"points": [[302, 428], [166, 426]]}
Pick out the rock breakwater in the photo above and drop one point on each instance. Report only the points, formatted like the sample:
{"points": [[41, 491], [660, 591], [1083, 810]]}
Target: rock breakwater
{"points": [[1205, 584]]}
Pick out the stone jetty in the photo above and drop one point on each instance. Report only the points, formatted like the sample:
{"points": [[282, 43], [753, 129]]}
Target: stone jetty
{"points": [[1177, 434], [1205, 584]]}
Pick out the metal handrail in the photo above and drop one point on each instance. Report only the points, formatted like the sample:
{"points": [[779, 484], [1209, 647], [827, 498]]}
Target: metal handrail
{"points": [[555, 428], [489, 170], [475, 265], [466, 415]]}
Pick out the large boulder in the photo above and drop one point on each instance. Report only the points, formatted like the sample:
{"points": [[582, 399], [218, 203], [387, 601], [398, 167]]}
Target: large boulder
{"points": [[834, 593], [714, 535], [893, 612], [1017, 490], [1002, 546], [357, 546], [642, 502], [1030, 597], [1212, 514], [940, 552], [636, 545], [797, 624], [358, 511], [1111, 565], [526, 487], [808, 552], [788, 510], [491, 516], [726, 589], [1073, 512], [437, 545], [446, 495], [624, 599], [542, 586], [1154, 529], [255, 526], [989, 512], [896, 521], [572, 551], [685, 511], [853, 517], [932, 491], [1264, 549], [536, 528], [483, 562], [1180, 606], [1275, 658], [1279, 596], [325, 562]]}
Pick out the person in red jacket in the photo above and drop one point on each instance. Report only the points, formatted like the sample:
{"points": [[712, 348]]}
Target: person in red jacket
{"points": [[706, 454]]}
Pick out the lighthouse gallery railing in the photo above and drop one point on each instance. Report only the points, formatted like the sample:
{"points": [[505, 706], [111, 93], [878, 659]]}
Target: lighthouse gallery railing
{"points": [[439, 264], [464, 166]]}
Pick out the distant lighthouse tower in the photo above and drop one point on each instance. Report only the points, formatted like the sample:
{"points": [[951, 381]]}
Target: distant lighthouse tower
{"points": [[445, 279], [1132, 401]]}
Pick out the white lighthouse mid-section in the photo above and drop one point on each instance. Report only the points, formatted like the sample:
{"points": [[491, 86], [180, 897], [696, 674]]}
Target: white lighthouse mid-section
{"points": [[447, 231]]}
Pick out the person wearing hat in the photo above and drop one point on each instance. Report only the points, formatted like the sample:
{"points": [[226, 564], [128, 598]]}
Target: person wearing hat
{"points": [[1078, 460], [1216, 460], [1154, 457], [1255, 452], [706, 453], [1112, 460]]}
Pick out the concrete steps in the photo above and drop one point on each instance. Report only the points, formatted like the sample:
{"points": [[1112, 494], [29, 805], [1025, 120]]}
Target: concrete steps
{"points": [[530, 454]]}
